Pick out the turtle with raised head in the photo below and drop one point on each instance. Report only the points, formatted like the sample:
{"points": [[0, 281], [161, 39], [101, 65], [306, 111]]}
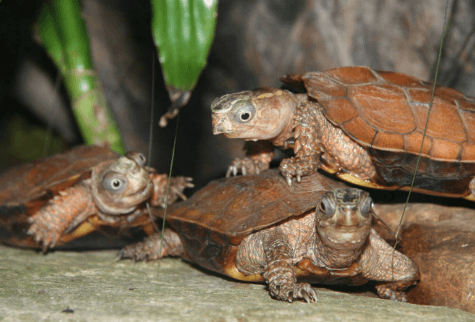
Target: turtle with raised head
{"points": [[258, 228], [56, 199], [365, 126]]}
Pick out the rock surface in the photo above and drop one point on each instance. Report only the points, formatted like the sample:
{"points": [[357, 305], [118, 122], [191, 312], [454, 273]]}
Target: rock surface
{"points": [[441, 240], [90, 286]]}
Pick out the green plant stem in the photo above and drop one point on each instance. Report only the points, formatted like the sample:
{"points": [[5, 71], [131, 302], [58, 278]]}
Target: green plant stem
{"points": [[64, 36]]}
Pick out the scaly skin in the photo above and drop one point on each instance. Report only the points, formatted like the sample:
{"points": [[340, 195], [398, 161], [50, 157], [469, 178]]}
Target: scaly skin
{"points": [[160, 184], [62, 213], [298, 120], [258, 157], [116, 188], [337, 239], [328, 248], [317, 139], [150, 248], [394, 270]]}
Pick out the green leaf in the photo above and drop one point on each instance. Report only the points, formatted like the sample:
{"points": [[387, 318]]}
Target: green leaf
{"points": [[183, 31]]}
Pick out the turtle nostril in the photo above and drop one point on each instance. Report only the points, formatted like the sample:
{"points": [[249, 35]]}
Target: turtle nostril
{"points": [[219, 128]]}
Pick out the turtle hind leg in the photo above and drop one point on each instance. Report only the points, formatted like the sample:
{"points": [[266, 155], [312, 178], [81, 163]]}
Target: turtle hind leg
{"points": [[150, 249], [394, 291]]}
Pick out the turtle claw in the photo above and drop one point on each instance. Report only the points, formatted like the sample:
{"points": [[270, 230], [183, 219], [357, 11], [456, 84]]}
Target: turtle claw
{"points": [[304, 291], [289, 181], [290, 292], [137, 252], [177, 185], [298, 167], [43, 233], [247, 166], [179, 193], [388, 292]]}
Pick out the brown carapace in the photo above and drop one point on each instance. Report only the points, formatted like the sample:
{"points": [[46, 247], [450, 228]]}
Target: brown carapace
{"points": [[365, 126], [56, 199], [258, 228]]}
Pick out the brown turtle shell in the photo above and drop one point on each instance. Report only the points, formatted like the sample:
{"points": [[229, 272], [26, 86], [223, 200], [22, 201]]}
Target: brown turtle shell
{"points": [[386, 113], [27, 187], [213, 222]]}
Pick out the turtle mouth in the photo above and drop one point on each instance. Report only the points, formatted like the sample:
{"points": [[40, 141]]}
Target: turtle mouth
{"points": [[220, 130], [221, 125], [148, 189], [346, 236], [140, 195]]}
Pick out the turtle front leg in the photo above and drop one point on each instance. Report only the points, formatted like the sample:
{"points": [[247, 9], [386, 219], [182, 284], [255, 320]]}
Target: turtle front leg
{"points": [[60, 215], [177, 185], [396, 272], [150, 249], [280, 275], [307, 155], [258, 157]]}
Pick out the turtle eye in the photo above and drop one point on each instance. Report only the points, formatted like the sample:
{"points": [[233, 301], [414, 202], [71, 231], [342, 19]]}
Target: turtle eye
{"points": [[140, 159], [114, 182], [366, 206], [327, 208], [245, 114], [137, 157]]}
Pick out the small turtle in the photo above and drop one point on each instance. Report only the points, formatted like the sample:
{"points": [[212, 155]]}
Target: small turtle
{"points": [[365, 126], [257, 228], [57, 199]]}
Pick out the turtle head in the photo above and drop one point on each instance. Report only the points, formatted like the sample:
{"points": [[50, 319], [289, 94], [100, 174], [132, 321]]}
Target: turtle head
{"points": [[253, 115], [344, 218], [119, 187]]}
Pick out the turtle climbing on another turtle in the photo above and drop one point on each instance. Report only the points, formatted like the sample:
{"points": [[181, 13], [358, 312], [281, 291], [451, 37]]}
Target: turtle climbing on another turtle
{"points": [[56, 199], [365, 126], [258, 228]]}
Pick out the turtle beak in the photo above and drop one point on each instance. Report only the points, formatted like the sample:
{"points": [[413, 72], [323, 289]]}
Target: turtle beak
{"points": [[220, 124]]}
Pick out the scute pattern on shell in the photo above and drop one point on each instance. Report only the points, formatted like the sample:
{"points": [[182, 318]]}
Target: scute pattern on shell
{"points": [[218, 217], [387, 111], [242, 213], [35, 179]]}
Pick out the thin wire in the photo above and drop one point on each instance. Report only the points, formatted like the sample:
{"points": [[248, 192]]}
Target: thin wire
{"points": [[168, 186], [446, 26]]}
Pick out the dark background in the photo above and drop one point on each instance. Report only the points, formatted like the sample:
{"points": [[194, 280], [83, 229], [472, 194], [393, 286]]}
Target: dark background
{"points": [[256, 42]]}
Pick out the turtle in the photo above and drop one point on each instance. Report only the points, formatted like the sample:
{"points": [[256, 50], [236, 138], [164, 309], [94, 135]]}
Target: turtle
{"points": [[364, 126], [258, 228], [56, 199]]}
